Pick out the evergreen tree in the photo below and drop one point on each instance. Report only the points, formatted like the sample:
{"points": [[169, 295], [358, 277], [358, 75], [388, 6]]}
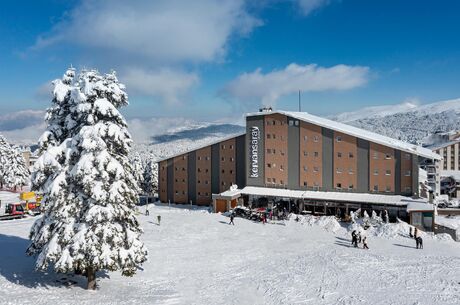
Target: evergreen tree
{"points": [[150, 185], [138, 170], [4, 161], [89, 223], [13, 170]]}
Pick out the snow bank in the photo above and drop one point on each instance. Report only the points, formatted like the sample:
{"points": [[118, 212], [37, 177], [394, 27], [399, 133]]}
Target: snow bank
{"points": [[328, 223]]}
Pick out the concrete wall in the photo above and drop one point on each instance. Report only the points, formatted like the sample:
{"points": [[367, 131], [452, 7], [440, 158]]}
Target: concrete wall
{"points": [[203, 175], [241, 161], [191, 178], [227, 166], [215, 170]]}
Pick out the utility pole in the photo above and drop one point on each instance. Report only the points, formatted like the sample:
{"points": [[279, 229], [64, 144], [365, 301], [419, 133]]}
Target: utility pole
{"points": [[300, 108]]}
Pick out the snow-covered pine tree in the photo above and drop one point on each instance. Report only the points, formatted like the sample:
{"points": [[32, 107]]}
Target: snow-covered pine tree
{"points": [[138, 170], [4, 161], [150, 185], [92, 225], [18, 173]]}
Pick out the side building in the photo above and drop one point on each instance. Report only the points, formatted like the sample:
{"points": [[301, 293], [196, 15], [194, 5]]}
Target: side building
{"points": [[295, 151], [195, 175]]}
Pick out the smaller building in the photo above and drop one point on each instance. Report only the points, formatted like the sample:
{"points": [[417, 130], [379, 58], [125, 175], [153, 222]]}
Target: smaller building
{"points": [[421, 216]]}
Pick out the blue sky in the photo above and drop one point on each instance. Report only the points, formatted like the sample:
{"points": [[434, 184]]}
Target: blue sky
{"points": [[210, 60]]}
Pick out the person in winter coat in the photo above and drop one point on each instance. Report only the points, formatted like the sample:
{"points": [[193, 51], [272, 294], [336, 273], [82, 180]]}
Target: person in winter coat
{"points": [[231, 219], [365, 243], [419, 242], [354, 239], [359, 237], [159, 219], [410, 232]]}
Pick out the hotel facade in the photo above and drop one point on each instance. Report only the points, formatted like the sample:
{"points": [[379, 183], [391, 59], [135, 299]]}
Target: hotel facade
{"points": [[299, 152]]}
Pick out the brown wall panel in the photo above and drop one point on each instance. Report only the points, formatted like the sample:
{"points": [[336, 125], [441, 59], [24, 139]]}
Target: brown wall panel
{"points": [[276, 146], [310, 156], [406, 173], [203, 176], [379, 163], [345, 162], [180, 179], [227, 167], [163, 180]]}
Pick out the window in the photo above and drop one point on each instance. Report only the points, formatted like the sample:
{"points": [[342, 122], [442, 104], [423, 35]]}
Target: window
{"points": [[338, 185], [183, 157], [232, 159], [407, 156], [296, 123], [177, 180], [305, 168], [183, 180], [376, 172], [282, 152], [206, 182], [274, 122], [315, 169], [176, 169], [269, 180], [274, 180], [388, 172], [315, 138], [223, 183], [231, 146], [350, 187], [407, 189], [207, 158], [291, 123], [223, 158], [269, 165], [274, 136], [387, 156], [269, 151], [199, 158], [339, 155], [206, 170], [338, 170], [199, 194], [407, 173], [269, 136], [305, 183], [282, 138], [305, 154], [199, 181], [375, 155], [305, 138], [376, 188], [274, 151], [338, 139], [316, 154], [231, 171], [316, 184], [350, 155], [281, 168], [351, 171], [223, 146], [223, 171], [281, 182], [183, 169], [388, 189]]}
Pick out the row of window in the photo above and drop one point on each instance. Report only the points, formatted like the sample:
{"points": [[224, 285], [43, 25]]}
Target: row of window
{"points": [[231, 159], [273, 136], [273, 181]]}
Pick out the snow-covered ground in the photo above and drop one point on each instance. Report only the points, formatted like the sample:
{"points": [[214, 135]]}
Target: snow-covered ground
{"points": [[197, 258]]}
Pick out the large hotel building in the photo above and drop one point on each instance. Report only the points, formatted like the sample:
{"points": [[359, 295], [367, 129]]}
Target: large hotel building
{"points": [[296, 155]]}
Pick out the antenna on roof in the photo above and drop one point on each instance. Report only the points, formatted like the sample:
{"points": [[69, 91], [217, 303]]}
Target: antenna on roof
{"points": [[300, 108]]}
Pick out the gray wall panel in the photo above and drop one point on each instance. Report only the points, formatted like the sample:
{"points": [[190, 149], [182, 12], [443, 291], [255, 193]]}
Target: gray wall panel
{"points": [[240, 161], [363, 166], [255, 152], [170, 179], [191, 172], [397, 172], [328, 158], [293, 154], [215, 168]]}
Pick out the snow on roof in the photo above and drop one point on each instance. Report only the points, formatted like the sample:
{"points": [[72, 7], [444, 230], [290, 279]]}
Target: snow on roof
{"points": [[442, 145], [356, 132], [452, 222], [223, 139], [450, 173], [419, 206], [330, 196]]}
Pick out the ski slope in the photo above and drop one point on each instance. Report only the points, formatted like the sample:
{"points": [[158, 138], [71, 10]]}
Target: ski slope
{"points": [[197, 258]]}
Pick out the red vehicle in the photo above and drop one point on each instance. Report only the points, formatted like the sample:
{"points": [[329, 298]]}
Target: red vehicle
{"points": [[12, 210]]}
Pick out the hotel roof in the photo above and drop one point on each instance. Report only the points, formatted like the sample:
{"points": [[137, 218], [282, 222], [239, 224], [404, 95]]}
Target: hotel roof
{"points": [[356, 132]]}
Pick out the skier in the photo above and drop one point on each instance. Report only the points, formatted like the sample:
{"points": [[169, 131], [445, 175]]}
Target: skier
{"points": [[365, 243], [385, 216], [410, 232], [147, 213], [159, 219], [359, 237], [231, 219]]}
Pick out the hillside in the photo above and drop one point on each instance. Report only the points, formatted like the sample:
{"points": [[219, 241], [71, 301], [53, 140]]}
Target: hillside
{"points": [[407, 121]]}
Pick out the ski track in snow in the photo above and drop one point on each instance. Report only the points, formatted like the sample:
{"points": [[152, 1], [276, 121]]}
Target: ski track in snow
{"points": [[197, 258]]}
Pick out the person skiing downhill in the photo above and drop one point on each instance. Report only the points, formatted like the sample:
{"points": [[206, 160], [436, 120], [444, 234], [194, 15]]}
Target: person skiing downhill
{"points": [[159, 219], [231, 219]]}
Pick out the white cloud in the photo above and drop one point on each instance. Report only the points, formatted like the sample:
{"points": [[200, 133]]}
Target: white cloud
{"points": [[160, 31], [271, 86], [308, 6], [165, 83]]}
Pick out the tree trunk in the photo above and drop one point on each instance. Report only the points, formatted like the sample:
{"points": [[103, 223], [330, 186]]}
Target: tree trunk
{"points": [[91, 276]]}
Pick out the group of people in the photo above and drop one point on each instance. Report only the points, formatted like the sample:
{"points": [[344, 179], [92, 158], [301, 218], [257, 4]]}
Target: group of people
{"points": [[356, 239], [147, 213], [417, 237]]}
